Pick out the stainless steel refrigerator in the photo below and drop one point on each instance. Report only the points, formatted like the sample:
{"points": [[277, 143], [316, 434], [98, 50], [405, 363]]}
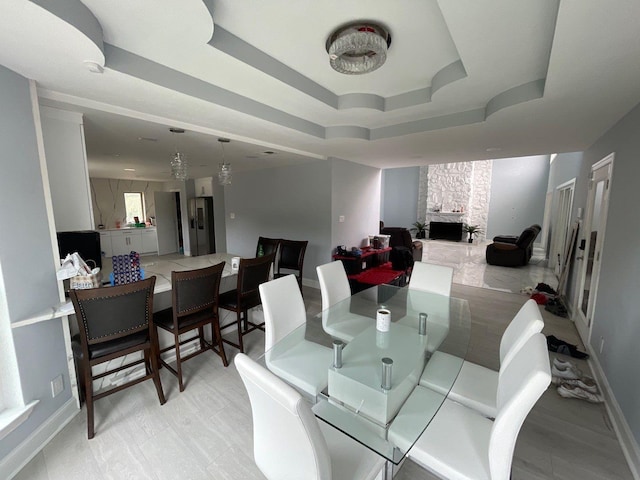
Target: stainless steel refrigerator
{"points": [[201, 229]]}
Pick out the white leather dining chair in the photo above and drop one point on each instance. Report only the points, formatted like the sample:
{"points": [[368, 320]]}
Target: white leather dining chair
{"points": [[289, 443], [461, 444], [476, 386], [334, 289], [300, 362], [429, 277]]}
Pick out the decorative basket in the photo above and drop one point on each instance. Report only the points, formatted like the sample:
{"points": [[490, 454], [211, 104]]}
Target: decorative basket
{"points": [[83, 282]]}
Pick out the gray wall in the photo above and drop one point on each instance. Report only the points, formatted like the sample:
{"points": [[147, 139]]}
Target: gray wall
{"points": [[518, 191], [617, 311], [356, 196], [400, 196], [26, 255], [291, 202], [565, 167]]}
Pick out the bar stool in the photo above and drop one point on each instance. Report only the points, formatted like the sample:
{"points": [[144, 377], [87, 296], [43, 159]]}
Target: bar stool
{"points": [[251, 273], [195, 304], [114, 322]]}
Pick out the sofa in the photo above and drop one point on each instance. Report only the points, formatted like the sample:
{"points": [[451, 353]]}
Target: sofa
{"points": [[511, 250], [399, 239]]}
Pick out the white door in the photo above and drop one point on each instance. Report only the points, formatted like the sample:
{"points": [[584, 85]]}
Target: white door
{"points": [[593, 235], [166, 228]]}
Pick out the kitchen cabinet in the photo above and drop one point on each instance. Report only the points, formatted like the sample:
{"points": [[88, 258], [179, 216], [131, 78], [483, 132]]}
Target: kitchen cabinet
{"points": [[105, 244], [124, 241], [149, 241]]}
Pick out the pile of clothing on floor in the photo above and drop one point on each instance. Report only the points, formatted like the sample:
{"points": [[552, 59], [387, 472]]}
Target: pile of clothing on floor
{"points": [[543, 294], [571, 383]]}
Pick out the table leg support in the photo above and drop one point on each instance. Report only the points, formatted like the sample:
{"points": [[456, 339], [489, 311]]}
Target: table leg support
{"points": [[387, 472]]}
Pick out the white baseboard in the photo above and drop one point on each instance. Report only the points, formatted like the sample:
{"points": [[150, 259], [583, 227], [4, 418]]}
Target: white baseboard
{"points": [[31, 446], [627, 441]]}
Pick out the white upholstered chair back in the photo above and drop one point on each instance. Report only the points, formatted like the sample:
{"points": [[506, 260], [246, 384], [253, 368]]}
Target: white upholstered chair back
{"points": [[284, 309], [522, 381], [287, 441], [431, 278], [334, 284], [527, 322]]}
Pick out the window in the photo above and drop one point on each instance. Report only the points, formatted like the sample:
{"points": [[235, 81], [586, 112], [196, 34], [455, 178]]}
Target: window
{"points": [[134, 207]]}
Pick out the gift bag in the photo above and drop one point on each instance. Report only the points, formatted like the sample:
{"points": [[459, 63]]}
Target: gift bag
{"points": [[81, 282], [87, 277]]}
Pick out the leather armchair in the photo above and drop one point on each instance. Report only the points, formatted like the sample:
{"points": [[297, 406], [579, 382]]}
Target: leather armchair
{"points": [[512, 251], [401, 237]]}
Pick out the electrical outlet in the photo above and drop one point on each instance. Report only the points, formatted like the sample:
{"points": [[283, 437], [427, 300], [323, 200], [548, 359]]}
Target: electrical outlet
{"points": [[601, 344], [341, 219], [57, 385], [232, 216]]}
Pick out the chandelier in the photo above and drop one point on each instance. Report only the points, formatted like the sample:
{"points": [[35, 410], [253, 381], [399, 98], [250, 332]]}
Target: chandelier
{"points": [[179, 160], [358, 48], [224, 175]]}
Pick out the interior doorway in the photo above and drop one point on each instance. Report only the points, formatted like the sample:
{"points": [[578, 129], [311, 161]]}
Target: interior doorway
{"points": [[591, 245]]}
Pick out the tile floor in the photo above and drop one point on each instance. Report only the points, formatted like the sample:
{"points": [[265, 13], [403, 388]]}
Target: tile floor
{"points": [[206, 431], [470, 267]]}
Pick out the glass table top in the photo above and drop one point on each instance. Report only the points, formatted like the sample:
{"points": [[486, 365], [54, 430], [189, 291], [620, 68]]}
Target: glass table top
{"points": [[351, 398]]}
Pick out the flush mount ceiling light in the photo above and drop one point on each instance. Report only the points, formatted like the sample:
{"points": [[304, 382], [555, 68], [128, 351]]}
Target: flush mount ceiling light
{"points": [[224, 175], [358, 47], [179, 160]]}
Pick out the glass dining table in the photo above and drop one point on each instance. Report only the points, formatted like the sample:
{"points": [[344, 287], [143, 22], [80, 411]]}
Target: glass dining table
{"points": [[372, 389]]}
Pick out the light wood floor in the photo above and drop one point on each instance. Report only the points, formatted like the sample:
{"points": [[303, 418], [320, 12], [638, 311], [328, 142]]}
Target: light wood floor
{"points": [[206, 431]]}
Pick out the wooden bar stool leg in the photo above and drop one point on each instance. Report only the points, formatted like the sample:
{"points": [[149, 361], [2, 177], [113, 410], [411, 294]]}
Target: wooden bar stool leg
{"points": [[215, 333], [203, 345], [178, 362], [155, 366], [240, 342], [88, 399]]}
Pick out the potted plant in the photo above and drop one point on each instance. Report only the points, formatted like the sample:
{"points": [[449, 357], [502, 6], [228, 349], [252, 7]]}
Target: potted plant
{"points": [[420, 229], [472, 230]]}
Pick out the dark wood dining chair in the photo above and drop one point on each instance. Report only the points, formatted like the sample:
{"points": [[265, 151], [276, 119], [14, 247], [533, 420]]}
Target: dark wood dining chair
{"points": [[269, 245], [114, 322], [291, 259], [251, 273], [194, 306]]}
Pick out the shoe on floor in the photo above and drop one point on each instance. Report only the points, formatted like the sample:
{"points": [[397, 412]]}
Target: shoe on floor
{"points": [[569, 372], [584, 383], [573, 391], [564, 363]]}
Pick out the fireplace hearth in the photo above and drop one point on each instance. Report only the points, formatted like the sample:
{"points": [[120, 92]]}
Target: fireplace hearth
{"points": [[445, 231]]}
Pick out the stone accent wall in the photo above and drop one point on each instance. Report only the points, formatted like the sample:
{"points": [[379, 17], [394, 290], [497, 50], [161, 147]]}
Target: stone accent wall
{"points": [[457, 186], [422, 193]]}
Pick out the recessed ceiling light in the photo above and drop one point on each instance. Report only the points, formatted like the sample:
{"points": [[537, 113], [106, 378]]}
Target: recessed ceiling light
{"points": [[176, 130], [129, 169], [269, 152], [493, 149]]}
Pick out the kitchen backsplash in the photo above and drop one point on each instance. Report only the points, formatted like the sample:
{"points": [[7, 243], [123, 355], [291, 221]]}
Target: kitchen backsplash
{"points": [[107, 195]]}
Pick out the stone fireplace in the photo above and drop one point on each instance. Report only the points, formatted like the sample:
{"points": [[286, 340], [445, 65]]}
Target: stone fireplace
{"points": [[455, 193]]}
